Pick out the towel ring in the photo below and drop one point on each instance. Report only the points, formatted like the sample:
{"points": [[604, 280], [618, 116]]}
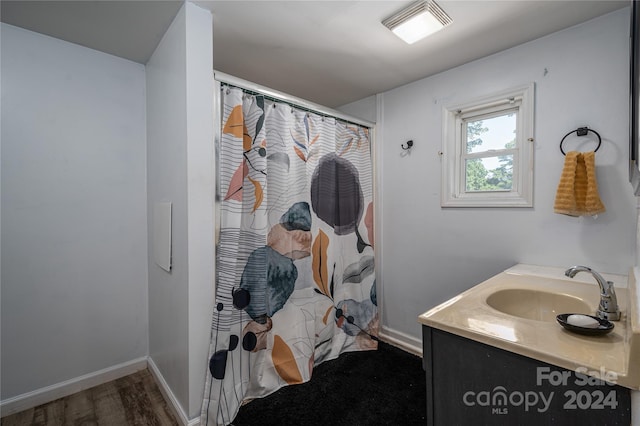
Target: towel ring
{"points": [[581, 131]]}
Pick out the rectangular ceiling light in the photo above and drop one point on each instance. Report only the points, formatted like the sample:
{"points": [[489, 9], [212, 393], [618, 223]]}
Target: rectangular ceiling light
{"points": [[418, 21]]}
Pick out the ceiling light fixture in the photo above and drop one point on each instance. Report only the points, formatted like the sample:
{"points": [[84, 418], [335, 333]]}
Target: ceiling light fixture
{"points": [[418, 21]]}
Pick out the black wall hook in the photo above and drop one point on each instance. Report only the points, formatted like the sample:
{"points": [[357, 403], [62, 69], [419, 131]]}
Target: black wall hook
{"points": [[581, 131], [409, 145]]}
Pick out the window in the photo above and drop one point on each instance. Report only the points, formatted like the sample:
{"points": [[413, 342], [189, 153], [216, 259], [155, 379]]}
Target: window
{"points": [[487, 155]]}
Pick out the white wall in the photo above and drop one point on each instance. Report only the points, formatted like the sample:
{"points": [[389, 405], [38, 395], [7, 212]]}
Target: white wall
{"points": [[200, 192], [180, 170], [74, 240], [364, 109], [430, 254], [167, 181]]}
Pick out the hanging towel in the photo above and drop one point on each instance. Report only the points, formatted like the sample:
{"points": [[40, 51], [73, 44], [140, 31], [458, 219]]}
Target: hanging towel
{"points": [[577, 193]]}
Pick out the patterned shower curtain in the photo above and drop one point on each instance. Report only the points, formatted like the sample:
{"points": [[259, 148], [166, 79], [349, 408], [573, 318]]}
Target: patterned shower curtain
{"points": [[295, 268]]}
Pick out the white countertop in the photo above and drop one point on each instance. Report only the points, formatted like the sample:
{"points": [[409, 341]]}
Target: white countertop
{"points": [[618, 352]]}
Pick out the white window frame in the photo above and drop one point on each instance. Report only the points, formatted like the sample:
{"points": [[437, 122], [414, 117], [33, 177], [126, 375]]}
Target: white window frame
{"points": [[454, 152]]}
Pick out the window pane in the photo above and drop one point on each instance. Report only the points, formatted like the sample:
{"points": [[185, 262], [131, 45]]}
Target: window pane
{"points": [[489, 174], [492, 133]]}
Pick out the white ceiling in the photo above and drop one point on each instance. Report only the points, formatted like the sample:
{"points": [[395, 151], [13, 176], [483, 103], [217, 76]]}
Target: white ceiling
{"points": [[329, 52]]}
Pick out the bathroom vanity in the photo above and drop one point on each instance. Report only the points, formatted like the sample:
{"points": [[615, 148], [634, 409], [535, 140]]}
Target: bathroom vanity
{"points": [[495, 354]]}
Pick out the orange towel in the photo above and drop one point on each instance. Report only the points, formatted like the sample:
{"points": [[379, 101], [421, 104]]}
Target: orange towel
{"points": [[577, 193]]}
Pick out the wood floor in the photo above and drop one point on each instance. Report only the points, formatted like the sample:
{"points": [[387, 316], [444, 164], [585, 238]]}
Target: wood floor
{"points": [[131, 400]]}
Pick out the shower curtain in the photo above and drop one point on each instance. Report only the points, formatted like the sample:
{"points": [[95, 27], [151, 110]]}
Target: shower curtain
{"points": [[295, 269]]}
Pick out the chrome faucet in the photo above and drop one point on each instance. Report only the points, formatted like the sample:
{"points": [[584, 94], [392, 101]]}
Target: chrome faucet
{"points": [[608, 307]]}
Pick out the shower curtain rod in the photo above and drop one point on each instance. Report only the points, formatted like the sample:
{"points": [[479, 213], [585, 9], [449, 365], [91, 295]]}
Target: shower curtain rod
{"points": [[278, 96]]}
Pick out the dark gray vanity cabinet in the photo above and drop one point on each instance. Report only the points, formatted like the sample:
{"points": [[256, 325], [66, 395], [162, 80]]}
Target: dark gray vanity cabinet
{"points": [[471, 383]]}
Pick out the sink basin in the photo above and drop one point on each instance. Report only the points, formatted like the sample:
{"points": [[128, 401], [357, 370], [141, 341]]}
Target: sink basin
{"points": [[536, 305]]}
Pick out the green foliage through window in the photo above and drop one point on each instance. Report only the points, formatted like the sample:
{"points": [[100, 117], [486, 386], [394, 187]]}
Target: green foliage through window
{"points": [[488, 173]]}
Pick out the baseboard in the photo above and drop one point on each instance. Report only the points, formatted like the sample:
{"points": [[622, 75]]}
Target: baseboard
{"points": [[401, 340], [50, 393], [169, 397]]}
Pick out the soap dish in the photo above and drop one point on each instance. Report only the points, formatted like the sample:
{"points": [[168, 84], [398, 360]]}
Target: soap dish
{"points": [[604, 327]]}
